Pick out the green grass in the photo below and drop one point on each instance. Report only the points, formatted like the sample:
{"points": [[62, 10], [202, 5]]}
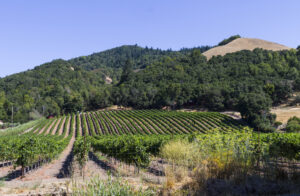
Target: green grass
{"points": [[19, 129]]}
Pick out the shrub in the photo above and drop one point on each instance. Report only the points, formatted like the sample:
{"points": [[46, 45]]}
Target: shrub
{"points": [[277, 124], [293, 125], [179, 152]]}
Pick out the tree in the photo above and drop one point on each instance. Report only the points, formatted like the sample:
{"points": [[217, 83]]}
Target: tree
{"points": [[73, 103], [230, 39], [254, 109], [82, 147], [3, 115], [293, 125], [197, 58], [127, 71]]}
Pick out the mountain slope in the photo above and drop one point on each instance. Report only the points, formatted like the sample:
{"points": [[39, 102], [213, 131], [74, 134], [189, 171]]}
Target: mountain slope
{"points": [[244, 44]]}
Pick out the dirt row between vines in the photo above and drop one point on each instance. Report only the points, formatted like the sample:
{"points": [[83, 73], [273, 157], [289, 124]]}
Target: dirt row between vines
{"points": [[56, 126], [60, 131], [48, 173], [50, 127], [56, 176]]}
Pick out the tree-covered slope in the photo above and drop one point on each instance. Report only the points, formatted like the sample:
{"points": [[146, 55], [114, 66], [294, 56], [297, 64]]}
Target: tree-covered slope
{"points": [[49, 89], [116, 57], [154, 78]]}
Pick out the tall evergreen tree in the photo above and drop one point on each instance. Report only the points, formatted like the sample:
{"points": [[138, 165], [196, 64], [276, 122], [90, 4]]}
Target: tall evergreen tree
{"points": [[127, 71]]}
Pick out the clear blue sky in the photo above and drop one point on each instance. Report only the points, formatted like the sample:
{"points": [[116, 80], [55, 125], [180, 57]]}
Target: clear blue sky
{"points": [[37, 31]]}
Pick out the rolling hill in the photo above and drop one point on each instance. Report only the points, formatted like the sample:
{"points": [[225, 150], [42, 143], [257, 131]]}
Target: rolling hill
{"points": [[156, 78], [244, 44]]}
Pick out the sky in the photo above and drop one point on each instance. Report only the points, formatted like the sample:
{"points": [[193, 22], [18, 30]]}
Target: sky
{"points": [[33, 32]]}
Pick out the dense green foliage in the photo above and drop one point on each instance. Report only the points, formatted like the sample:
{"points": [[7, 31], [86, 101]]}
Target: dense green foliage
{"points": [[38, 144], [228, 40], [282, 145], [221, 83], [293, 125], [81, 150], [131, 149], [24, 150], [20, 129], [154, 78], [266, 145], [246, 145]]}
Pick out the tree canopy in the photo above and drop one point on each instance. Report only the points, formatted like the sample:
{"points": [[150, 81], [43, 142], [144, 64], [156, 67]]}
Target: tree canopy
{"points": [[228, 40]]}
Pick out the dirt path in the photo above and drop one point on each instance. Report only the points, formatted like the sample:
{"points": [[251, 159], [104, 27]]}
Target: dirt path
{"points": [[47, 172], [55, 128], [26, 131], [80, 128], [45, 126], [92, 168], [4, 171], [60, 131], [38, 130], [68, 127], [50, 127]]}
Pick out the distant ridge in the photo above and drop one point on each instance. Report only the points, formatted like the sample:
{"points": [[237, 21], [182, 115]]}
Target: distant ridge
{"points": [[244, 44]]}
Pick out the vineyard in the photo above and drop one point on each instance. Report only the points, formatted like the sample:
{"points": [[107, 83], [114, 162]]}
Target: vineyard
{"points": [[133, 122], [37, 142], [131, 137], [154, 122]]}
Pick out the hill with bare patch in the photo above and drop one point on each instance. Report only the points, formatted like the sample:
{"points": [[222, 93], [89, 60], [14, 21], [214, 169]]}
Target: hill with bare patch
{"points": [[244, 44]]}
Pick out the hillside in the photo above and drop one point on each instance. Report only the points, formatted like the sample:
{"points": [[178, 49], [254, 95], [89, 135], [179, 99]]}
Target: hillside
{"points": [[244, 44], [146, 78]]}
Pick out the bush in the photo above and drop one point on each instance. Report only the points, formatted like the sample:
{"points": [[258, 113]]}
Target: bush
{"points": [[293, 125], [179, 152], [265, 128], [277, 124]]}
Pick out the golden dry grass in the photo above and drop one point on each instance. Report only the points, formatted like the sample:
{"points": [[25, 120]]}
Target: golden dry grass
{"points": [[244, 44], [284, 113]]}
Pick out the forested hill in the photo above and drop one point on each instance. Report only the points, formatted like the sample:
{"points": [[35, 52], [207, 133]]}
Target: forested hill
{"points": [[116, 57], [154, 78], [64, 86]]}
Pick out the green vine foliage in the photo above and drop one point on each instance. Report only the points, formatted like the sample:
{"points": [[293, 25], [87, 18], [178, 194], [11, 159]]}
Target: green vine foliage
{"points": [[132, 149], [29, 148], [81, 149]]}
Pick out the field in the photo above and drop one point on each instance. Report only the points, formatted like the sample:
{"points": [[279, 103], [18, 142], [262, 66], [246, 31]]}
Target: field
{"points": [[42, 156], [143, 122], [285, 113]]}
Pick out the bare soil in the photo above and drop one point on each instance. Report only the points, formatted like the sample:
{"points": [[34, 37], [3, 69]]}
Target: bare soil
{"points": [[55, 128], [60, 131], [49, 128]]}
